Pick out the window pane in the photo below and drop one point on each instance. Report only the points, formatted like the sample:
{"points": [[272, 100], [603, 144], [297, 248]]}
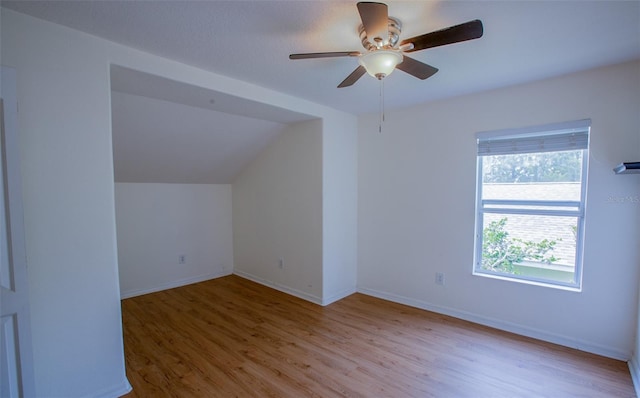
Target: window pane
{"points": [[525, 207], [532, 191], [530, 246], [533, 176]]}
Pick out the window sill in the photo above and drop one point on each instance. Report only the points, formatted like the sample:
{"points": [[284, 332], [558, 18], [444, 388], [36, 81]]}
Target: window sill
{"points": [[509, 278]]}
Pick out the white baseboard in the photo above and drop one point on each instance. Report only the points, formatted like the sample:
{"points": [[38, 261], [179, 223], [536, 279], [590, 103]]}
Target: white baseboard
{"points": [[121, 389], [593, 348], [338, 296], [279, 287], [634, 369], [171, 285]]}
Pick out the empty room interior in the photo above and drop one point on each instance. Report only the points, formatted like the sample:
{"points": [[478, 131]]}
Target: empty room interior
{"points": [[239, 198]]}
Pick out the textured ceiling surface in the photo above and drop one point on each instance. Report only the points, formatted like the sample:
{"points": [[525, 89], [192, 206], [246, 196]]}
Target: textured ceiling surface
{"points": [[251, 40], [165, 131]]}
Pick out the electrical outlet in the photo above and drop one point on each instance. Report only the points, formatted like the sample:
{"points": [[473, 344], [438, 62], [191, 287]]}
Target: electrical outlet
{"points": [[440, 278], [182, 259], [281, 263]]}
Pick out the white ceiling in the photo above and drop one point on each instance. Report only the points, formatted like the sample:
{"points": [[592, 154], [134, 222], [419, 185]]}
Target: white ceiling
{"points": [[171, 132], [164, 142], [250, 40]]}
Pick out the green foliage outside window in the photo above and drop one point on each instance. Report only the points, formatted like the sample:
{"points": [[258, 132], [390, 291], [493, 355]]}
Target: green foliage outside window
{"points": [[533, 167], [500, 252]]}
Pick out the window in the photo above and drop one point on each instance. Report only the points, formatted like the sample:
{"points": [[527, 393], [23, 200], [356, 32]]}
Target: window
{"points": [[531, 203]]}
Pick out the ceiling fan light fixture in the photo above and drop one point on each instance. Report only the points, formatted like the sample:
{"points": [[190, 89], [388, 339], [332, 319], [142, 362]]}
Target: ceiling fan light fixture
{"points": [[380, 63], [380, 36]]}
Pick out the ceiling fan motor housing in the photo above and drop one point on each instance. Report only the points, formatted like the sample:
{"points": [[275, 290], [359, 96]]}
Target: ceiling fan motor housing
{"points": [[378, 43]]}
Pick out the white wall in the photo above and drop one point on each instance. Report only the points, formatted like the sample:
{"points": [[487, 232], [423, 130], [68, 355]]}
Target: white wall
{"points": [[277, 213], [68, 190], [298, 202], [416, 210], [156, 223], [634, 363], [64, 127], [339, 209]]}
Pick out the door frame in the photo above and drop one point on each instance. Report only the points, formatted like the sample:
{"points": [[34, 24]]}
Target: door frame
{"points": [[18, 376]]}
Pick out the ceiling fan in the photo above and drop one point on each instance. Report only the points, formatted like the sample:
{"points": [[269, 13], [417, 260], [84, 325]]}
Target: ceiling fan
{"points": [[380, 36]]}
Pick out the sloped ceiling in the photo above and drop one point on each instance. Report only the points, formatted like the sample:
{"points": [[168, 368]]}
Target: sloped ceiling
{"points": [[164, 142], [171, 132]]}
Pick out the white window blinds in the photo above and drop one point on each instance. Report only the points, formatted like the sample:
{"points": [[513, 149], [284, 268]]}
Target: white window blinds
{"points": [[548, 138]]}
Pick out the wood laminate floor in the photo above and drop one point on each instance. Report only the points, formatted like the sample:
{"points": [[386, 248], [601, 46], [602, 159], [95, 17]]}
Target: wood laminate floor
{"points": [[230, 337]]}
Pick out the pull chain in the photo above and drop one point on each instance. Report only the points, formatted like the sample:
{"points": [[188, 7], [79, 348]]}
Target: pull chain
{"points": [[381, 105]]}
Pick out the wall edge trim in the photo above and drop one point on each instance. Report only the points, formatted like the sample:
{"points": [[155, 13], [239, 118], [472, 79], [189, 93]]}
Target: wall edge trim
{"points": [[338, 296], [282, 288], [115, 391], [634, 369], [171, 285], [538, 334]]}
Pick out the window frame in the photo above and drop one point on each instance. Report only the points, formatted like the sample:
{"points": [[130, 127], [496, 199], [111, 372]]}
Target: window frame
{"points": [[501, 206]]}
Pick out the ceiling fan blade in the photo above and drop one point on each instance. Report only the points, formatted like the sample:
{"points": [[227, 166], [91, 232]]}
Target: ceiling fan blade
{"points": [[325, 55], [375, 19], [353, 77], [416, 68], [454, 34]]}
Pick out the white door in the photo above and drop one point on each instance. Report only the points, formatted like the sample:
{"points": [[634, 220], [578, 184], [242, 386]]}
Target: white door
{"points": [[16, 360]]}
